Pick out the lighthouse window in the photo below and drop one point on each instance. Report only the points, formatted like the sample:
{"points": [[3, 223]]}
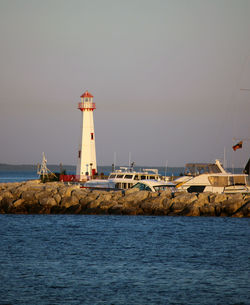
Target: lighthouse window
{"points": [[92, 136]]}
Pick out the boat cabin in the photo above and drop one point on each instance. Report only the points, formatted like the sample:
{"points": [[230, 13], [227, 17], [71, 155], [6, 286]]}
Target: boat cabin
{"points": [[125, 178]]}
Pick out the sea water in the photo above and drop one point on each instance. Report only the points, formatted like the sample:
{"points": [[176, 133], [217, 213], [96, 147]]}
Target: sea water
{"points": [[86, 259], [19, 173]]}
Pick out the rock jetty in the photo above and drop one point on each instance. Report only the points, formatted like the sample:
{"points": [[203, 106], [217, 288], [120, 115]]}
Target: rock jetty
{"points": [[34, 197]]}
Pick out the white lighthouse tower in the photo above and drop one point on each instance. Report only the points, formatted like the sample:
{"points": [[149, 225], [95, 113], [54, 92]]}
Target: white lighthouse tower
{"points": [[86, 163]]}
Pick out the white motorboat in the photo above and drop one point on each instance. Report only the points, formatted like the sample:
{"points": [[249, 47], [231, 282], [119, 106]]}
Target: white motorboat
{"points": [[214, 178], [123, 178]]}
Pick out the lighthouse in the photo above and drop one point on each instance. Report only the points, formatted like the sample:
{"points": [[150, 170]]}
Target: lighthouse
{"points": [[86, 163]]}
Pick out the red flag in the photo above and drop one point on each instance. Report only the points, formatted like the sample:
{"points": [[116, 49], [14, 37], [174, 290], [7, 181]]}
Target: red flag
{"points": [[237, 146]]}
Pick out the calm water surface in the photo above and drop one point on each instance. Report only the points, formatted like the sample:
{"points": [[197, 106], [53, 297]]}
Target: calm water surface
{"points": [[69, 259]]}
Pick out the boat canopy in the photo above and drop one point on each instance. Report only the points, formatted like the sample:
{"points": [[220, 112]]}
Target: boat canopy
{"points": [[194, 169]]}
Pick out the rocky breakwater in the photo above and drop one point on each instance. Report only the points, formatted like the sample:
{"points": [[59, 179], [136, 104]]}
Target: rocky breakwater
{"points": [[33, 197]]}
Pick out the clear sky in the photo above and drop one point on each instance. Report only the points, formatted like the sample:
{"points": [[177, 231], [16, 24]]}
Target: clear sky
{"points": [[165, 74]]}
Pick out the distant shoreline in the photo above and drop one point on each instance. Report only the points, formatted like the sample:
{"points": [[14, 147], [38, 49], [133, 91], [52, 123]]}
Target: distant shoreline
{"points": [[101, 168]]}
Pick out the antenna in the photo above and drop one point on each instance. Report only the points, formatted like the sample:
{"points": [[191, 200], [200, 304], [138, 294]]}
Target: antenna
{"points": [[114, 160], [129, 159], [166, 166], [224, 160]]}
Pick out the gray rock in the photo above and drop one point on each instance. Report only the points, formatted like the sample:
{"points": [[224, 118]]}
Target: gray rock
{"points": [[69, 201], [147, 208], [207, 209], [244, 211], [80, 193], [29, 197], [94, 204], [65, 191], [166, 194], [135, 196], [7, 194], [131, 191], [42, 194], [6, 204], [218, 198], [116, 209], [18, 202], [106, 205], [116, 195], [185, 198], [57, 198], [204, 198]]}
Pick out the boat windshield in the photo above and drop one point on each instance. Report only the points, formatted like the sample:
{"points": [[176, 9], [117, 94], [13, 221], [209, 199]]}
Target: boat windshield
{"points": [[194, 169], [119, 176], [158, 188], [128, 176]]}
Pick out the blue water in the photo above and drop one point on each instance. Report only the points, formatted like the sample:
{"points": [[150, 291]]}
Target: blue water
{"points": [[81, 259], [17, 176]]}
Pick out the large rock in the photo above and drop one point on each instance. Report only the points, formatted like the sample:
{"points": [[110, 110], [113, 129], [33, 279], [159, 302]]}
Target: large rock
{"points": [[204, 198], [91, 196], [69, 201], [104, 206], [207, 209], [93, 204], [244, 211], [231, 205], [181, 201], [80, 193], [101, 204], [57, 198], [155, 206], [17, 193], [189, 210], [116, 195], [47, 201], [218, 198], [131, 191], [65, 191], [166, 194], [116, 209], [29, 197], [105, 196], [42, 194], [135, 197], [6, 204], [147, 208], [18, 203]]}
